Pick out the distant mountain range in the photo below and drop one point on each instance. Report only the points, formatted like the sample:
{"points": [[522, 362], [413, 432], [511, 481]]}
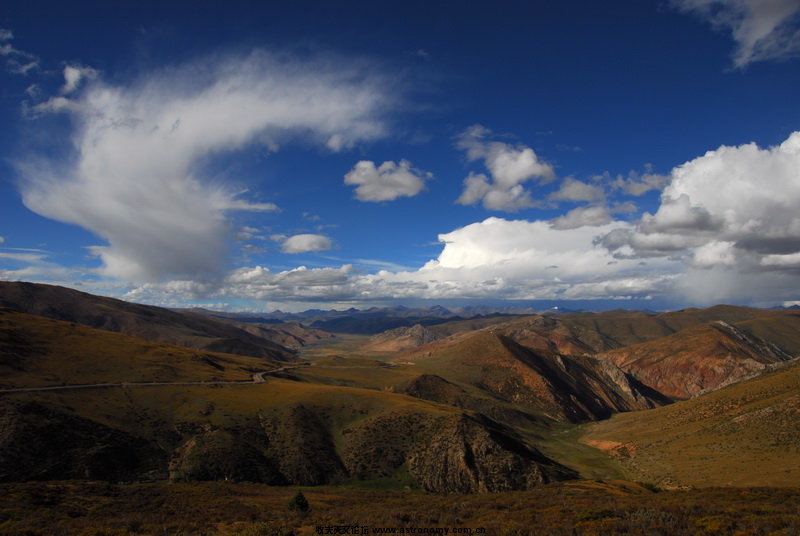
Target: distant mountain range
{"points": [[376, 319]]}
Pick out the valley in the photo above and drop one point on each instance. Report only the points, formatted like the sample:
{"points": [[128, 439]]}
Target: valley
{"points": [[602, 405]]}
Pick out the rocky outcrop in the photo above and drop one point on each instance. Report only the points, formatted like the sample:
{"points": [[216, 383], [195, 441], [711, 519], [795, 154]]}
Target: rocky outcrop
{"points": [[221, 455], [299, 444], [473, 455]]}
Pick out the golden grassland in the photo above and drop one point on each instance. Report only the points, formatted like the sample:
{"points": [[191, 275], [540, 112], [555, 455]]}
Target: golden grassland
{"points": [[747, 434], [143, 408], [226, 508], [343, 345]]}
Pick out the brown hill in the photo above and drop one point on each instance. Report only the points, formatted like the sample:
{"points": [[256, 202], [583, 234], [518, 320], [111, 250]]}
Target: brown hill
{"points": [[563, 388], [697, 359], [144, 321], [38, 352], [403, 338]]}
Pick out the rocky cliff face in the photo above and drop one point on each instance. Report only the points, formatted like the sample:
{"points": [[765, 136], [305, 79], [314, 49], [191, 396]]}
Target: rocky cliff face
{"points": [[473, 455], [697, 359], [564, 388]]}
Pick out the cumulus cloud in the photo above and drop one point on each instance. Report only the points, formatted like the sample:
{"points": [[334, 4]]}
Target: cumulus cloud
{"points": [[727, 229], [74, 75], [304, 243], [578, 217], [635, 184], [731, 212], [134, 177], [763, 29], [575, 190], [494, 258], [256, 283], [386, 182], [509, 167]]}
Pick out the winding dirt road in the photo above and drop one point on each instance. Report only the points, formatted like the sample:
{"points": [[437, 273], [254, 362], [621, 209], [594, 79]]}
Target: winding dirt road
{"points": [[258, 377]]}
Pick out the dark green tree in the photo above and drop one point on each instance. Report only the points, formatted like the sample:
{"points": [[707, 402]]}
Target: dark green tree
{"points": [[299, 503]]}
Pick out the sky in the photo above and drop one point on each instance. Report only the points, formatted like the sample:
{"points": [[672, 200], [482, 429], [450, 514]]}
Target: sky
{"points": [[268, 155]]}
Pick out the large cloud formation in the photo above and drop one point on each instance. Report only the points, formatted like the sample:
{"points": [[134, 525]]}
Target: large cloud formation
{"points": [[132, 176], [763, 29], [727, 229], [492, 259], [731, 216]]}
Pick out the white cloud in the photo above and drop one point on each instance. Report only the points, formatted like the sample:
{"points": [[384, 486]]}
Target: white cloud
{"points": [[56, 105], [791, 260], [636, 184], [495, 258], [509, 168], [74, 75], [727, 230], [133, 178], [22, 257], [304, 243], [247, 206], [578, 217], [763, 29], [386, 182], [714, 254], [575, 190]]}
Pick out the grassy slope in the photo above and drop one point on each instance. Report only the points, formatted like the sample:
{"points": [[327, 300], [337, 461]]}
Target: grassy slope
{"points": [[747, 434], [632, 327], [782, 329], [36, 351]]}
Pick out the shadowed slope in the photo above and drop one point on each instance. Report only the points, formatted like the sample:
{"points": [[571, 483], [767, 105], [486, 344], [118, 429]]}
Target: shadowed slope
{"points": [[563, 388]]}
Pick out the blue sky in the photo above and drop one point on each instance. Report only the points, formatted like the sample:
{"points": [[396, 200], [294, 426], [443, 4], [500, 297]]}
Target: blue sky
{"points": [[311, 154]]}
